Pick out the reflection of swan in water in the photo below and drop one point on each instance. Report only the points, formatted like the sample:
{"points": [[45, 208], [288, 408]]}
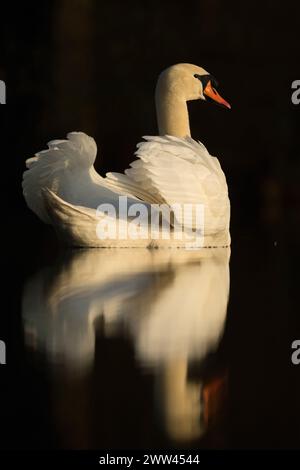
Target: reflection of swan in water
{"points": [[172, 305]]}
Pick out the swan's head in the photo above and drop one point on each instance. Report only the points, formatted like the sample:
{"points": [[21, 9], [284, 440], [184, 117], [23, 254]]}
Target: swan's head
{"points": [[190, 82]]}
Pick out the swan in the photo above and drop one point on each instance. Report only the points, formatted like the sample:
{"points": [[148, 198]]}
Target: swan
{"points": [[172, 170]]}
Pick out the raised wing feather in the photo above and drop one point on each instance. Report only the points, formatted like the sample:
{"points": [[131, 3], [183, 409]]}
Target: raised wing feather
{"points": [[174, 170], [58, 169]]}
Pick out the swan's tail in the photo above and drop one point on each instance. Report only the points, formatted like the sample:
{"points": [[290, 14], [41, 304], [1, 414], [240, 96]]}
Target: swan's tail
{"points": [[55, 169]]}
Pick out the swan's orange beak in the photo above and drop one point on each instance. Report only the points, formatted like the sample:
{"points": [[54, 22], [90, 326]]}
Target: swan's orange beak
{"points": [[213, 95]]}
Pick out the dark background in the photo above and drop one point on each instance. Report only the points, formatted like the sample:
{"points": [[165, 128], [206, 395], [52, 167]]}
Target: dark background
{"points": [[92, 66]]}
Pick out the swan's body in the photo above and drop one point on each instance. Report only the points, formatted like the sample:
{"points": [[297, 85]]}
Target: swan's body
{"points": [[62, 187]]}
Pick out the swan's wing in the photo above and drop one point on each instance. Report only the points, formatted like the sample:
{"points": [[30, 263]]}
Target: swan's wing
{"points": [[176, 170], [128, 186], [79, 225], [55, 168], [73, 223]]}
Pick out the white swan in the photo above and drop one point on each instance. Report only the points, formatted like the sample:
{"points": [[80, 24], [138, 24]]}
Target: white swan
{"points": [[62, 187]]}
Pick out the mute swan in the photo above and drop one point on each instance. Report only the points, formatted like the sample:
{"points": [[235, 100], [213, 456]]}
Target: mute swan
{"points": [[62, 187]]}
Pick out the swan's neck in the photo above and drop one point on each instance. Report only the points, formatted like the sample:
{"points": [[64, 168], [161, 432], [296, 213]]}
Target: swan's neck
{"points": [[172, 113]]}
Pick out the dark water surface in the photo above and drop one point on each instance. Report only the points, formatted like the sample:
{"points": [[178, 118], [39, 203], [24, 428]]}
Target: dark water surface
{"points": [[141, 349]]}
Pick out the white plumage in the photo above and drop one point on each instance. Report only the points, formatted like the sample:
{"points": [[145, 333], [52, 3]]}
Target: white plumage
{"points": [[62, 187], [178, 170]]}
